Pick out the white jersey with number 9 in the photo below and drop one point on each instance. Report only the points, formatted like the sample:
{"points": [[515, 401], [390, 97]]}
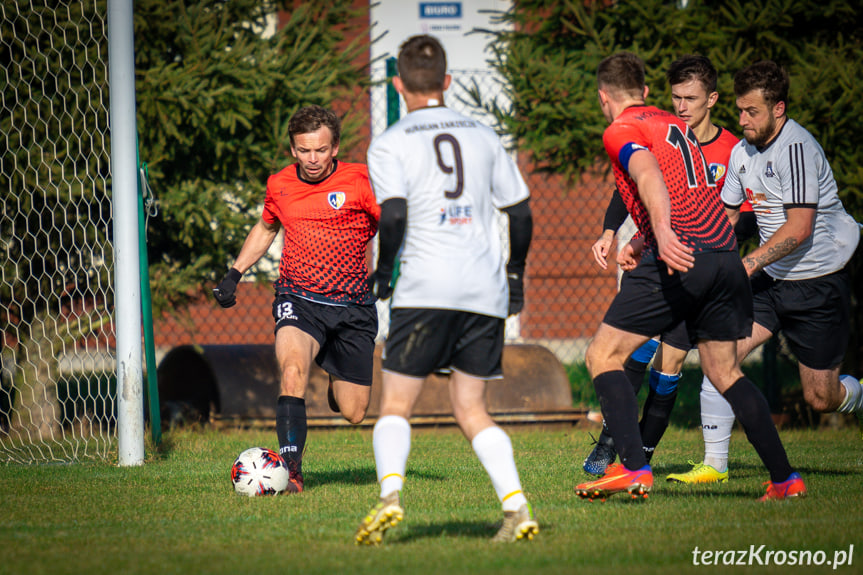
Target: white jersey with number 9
{"points": [[453, 172]]}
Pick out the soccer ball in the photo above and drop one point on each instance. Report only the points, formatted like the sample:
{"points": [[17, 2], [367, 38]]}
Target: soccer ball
{"points": [[259, 471]]}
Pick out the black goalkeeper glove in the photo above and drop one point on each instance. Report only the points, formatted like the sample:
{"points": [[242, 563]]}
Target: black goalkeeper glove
{"points": [[380, 283], [225, 292], [516, 291]]}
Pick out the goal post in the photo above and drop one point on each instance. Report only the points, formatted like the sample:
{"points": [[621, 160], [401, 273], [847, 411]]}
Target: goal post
{"points": [[127, 274]]}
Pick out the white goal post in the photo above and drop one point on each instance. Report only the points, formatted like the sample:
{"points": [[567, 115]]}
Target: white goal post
{"points": [[68, 232], [127, 272]]}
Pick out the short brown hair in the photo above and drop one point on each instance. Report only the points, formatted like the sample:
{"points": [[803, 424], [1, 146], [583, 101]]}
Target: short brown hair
{"points": [[764, 75], [422, 64], [692, 67], [310, 119], [621, 72]]}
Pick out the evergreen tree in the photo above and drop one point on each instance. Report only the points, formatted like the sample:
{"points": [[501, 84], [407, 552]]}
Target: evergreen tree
{"points": [[548, 59], [214, 99], [54, 210]]}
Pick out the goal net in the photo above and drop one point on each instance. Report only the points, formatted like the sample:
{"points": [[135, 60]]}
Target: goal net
{"points": [[57, 365]]}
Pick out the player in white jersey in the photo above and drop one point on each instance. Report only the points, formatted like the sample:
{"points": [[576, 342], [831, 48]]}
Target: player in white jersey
{"points": [[453, 172], [799, 281], [792, 172], [439, 177]]}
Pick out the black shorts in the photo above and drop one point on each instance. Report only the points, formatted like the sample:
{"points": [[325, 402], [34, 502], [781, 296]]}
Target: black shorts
{"points": [[678, 337], [813, 314], [422, 341], [713, 298], [346, 334]]}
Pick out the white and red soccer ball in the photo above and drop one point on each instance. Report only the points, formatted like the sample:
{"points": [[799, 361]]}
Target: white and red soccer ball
{"points": [[259, 471]]}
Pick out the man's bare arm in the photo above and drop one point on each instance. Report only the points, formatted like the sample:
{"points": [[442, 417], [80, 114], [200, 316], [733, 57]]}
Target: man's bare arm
{"points": [[796, 230]]}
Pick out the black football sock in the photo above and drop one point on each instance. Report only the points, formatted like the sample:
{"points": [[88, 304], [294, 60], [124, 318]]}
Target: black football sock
{"points": [[657, 409], [620, 410], [291, 430], [635, 371], [654, 420], [605, 436], [751, 409]]}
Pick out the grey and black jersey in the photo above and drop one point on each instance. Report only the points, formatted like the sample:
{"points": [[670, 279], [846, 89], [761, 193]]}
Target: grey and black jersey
{"points": [[792, 171]]}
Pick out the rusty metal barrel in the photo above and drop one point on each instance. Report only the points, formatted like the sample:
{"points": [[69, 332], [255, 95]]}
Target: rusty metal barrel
{"points": [[239, 384]]}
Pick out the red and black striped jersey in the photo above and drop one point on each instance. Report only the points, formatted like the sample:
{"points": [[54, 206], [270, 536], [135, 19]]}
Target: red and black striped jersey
{"points": [[327, 226], [697, 214]]}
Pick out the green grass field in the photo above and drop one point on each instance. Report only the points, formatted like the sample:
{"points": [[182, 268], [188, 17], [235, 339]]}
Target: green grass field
{"points": [[178, 512]]}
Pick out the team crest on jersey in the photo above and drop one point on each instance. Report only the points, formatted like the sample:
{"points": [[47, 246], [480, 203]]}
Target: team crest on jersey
{"points": [[717, 171], [769, 171], [336, 199]]}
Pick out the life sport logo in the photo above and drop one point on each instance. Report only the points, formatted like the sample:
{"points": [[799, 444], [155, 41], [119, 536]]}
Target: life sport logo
{"points": [[456, 215]]}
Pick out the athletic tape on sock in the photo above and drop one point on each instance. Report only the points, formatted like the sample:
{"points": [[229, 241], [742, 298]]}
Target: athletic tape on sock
{"points": [[645, 353], [853, 394], [662, 383], [513, 494]]}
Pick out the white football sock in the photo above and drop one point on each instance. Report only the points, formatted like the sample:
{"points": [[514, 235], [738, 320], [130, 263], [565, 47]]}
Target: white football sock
{"points": [[853, 394], [392, 444], [717, 420], [494, 449]]}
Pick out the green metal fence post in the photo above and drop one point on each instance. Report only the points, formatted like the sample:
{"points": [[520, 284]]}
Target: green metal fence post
{"points": [[147, 317], [392, 95], [393, 113]]}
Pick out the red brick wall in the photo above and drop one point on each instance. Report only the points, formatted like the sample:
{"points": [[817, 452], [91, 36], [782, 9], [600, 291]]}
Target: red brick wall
{"points": [[566, 292]]}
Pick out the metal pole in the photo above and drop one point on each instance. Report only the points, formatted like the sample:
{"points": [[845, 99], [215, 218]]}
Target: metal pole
{"points": [[127, 284], [393, 111], [152, 389]]}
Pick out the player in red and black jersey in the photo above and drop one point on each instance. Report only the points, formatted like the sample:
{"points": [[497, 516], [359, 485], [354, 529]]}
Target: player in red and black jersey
{"points": [[693, 81], [328, 224], [323, 308], [684, 173], [686, 268]]}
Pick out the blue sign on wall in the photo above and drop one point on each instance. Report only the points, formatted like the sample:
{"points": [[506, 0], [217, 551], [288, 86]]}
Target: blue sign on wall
{"points": [[440, 9]]}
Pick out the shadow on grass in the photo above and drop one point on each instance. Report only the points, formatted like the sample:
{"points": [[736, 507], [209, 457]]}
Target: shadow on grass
{"points": [[359, 476], [468, 529], [804, 471], [160, 451], [748, 470], [354, 476], [682, 491], [473, 529]]}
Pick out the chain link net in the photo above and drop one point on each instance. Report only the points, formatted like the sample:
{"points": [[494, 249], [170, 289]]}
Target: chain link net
{"points": [[57, 383]]}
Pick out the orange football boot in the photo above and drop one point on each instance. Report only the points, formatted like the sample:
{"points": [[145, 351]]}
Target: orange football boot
{"points": [[791, 487], [617, 479]]}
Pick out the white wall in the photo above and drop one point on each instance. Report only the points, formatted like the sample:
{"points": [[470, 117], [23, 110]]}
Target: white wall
{"points": [[394, 21]]}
